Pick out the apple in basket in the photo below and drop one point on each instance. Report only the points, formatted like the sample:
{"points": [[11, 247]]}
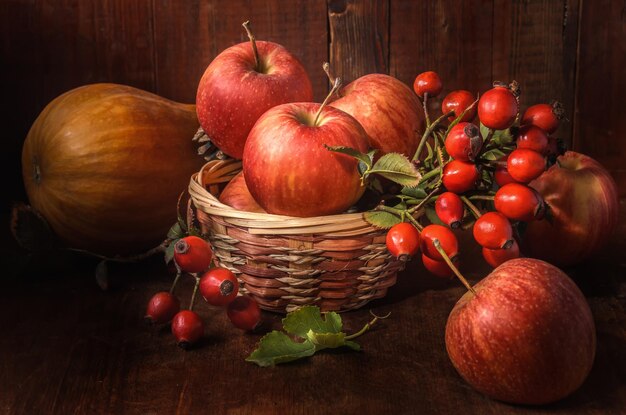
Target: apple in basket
{"points": [[240, 84], [237, 195], [287, 167], [387, 109]]}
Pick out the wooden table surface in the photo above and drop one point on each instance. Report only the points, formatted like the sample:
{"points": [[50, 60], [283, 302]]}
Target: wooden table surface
{"points": [[69, 347]]}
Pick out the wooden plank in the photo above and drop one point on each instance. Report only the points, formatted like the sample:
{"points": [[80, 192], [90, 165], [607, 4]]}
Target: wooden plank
{"points": [[188, 35], [451, 38], [534, 42], [359, 37], [600, 130]]}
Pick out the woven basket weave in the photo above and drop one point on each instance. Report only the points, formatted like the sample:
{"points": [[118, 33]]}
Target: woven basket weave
{"points": [[336, 262]]}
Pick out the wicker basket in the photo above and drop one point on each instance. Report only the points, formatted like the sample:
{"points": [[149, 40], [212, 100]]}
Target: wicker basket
{"points": [[337, 262]]}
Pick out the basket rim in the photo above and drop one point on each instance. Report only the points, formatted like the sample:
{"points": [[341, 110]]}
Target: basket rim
{"points": [[222, 171]]}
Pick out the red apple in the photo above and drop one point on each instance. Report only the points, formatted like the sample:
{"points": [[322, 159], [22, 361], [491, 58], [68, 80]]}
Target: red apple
{"points": [[234, 91], [526, 336], [290, 172], [237, 195], [583, 201], [387, 109]]}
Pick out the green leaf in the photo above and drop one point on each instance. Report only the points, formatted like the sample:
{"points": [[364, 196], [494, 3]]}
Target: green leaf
{"points": [[381, 219], [326, 340], [493, 154], [500, 137], [169, 251], [430, 154], [431, 215], [276, 347], [362, 157], [397, 168], [416, 192], [304, 319], [176, 231]]}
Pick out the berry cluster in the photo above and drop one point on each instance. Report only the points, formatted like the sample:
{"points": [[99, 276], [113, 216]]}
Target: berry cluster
{"points": [[218, 286], [484, 169]]}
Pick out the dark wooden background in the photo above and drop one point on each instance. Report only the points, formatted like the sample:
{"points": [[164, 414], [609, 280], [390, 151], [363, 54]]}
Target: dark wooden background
{"points": [[67, 347]]}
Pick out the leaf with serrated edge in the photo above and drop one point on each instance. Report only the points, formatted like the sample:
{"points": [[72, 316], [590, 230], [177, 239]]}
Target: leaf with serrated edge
{"points": [[276, 347], [365, 158], [397, 168], [306, 318], [381, 219]]}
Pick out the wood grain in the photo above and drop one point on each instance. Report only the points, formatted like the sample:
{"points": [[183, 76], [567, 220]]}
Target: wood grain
{"points": [[188, 35], [451, 38], [359, 37], [68, 347], [600, 130], [534, 42]]}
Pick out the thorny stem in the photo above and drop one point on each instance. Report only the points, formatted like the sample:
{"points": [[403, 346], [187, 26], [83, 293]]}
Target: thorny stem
{"points": [[481, 197], [257, 62], [335, 87], [454, 269], [178, 274], [427, 133], [367, 326], [472, 207], [424, 201], [488, 138], [425, 107], [193, 295], [430, 174]]}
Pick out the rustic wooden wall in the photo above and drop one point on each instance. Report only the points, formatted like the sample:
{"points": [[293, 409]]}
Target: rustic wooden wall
{"points": [[571, 50]]}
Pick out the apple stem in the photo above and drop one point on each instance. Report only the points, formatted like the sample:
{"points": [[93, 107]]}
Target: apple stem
{"points": [[334, 89], [454, 269], [331, 79], [257, 61], [193, 295], [472, 207], [427, 133]]}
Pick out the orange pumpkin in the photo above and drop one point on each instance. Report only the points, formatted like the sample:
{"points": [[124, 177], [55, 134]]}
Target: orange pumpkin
{"points": [[104, 164]]}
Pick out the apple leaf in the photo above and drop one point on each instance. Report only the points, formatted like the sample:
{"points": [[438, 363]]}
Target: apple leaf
{"points": [[367, 159], [306, 318], [312, 331], [381, 219], [276, 347], [397, 168]]}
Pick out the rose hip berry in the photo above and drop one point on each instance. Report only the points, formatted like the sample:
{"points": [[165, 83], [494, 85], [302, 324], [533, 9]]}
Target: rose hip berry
{"points": [[449, 209], [493, 230], [544, 116], [519, 202], [244, 313], [460, 176], [464, 142], [427, 83], [501, 175], [403, 241], [525, 165], [497, 108], [533, 138], [458, 101], [161, 308], [495, 257], [187, 328], [439, 268], [219, 286], [192, 254], [446, 238]]}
